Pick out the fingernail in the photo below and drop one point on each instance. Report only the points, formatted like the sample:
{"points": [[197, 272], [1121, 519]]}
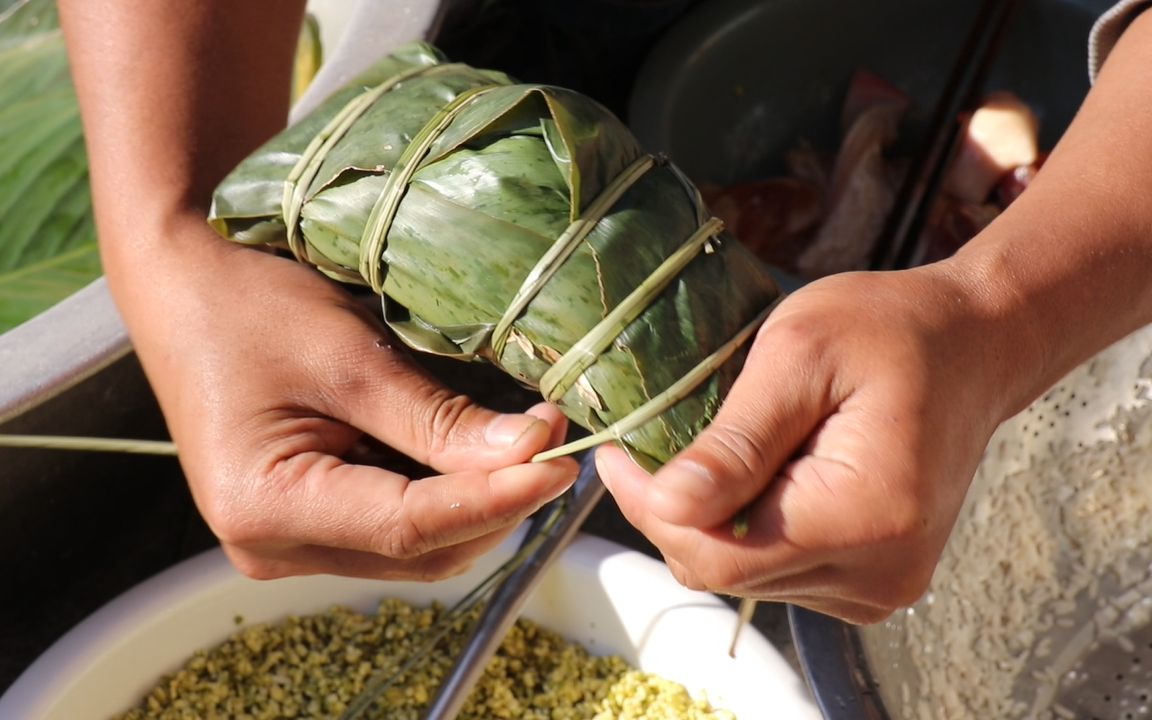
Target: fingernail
{"points": [[686, 477], [506, 430], [602, 470]]}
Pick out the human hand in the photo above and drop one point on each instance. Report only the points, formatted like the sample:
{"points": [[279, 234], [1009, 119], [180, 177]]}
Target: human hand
{"points": [[269, 375], [849, 440]]}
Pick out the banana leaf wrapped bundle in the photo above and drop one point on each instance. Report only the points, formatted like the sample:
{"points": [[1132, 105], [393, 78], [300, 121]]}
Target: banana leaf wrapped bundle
{"points": [[521, 225]]}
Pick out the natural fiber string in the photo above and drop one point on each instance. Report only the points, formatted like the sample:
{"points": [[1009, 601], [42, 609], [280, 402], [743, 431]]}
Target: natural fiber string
{"points": [[565, 245], [308, 164], [379, 222], [679, 389], [660, 403], [559, 378], [89, 444]]}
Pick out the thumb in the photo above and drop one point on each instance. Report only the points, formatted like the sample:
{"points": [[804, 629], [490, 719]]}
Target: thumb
{"points": [[767, 415], [402, 405]]}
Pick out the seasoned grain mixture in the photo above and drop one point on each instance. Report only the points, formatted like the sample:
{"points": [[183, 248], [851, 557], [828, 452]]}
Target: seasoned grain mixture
{"points": [[312, 667]]}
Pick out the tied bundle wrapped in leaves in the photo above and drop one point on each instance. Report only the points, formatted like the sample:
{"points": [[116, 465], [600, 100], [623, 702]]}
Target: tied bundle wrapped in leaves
{"points": [[521, 225]]}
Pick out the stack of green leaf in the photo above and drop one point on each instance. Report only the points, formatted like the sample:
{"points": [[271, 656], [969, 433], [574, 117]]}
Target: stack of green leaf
{"points": [[47, 237], [521, 225]]}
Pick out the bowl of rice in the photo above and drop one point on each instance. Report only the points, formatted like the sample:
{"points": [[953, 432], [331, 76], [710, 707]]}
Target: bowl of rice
{"points": [[607, 633]]}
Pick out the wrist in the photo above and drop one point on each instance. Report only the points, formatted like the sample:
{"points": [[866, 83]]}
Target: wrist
{"points": [[1057, 283], [165, 259], [1065, 268]]}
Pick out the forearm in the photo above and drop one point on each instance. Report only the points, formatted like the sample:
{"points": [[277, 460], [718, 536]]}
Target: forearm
{"points": [[172, 96], [1068, 267]]}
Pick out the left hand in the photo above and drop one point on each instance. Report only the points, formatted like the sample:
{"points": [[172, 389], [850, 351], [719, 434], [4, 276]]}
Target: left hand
{"points": [[848, 440]]}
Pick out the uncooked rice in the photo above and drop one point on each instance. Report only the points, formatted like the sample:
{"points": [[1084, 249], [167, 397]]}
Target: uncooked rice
{"points": [[1052, 556]]}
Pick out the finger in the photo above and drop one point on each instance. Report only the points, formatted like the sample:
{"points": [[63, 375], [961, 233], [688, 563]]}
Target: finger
{"points": [[694, 548], [273, 563], [775, 403], [821, 589], [556, 421], [830, 505], [319, 500], [719, 558], [632, 488], [806, 537], [824, 511], [809, 522], [374, 386], [877, 585], [848, 611]]}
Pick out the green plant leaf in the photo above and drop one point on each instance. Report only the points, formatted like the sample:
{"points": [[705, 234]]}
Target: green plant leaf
{"points": [[28, 291], [21, 19], [47, 236]]}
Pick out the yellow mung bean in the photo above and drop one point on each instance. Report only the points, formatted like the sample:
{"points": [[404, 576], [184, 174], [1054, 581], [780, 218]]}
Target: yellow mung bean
{"points": [[313, 666]]}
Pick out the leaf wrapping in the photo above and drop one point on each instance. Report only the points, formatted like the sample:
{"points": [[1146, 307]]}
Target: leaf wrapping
{"points": [[516, 224]]}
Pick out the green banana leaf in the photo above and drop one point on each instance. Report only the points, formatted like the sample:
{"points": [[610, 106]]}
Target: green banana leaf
{"points": [[47, 237], [20, 19], [450, 190], [48, 245]]}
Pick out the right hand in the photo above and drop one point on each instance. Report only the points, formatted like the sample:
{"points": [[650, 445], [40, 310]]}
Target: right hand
{"points": [[268, 375], [847, 444]]}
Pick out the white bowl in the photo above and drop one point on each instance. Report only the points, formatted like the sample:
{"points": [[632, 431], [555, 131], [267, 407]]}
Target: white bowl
{"points": [[600, 594]]}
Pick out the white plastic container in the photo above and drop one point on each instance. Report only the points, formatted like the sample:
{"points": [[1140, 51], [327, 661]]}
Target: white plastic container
{"points": [[600, 594]]}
